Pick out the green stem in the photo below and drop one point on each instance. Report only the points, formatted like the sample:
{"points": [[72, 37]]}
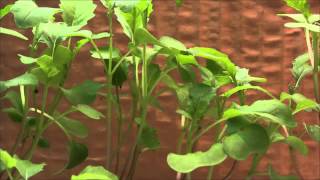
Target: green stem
{"points": [[119, 136], [315, 44], [9, 174], [109, 93], [255, 161], [39, 131]]}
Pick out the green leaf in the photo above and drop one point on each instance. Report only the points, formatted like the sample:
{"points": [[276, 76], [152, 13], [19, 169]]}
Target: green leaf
{"points": [[200, 98], [27, 169], [94, 172], [301, 6], [14, 114], [251, 139], [242, 77], [273, 110], [27, 60], [105, 53], [302, 102], [234, 90], [142, 36], [301, 68], [53, 33], [186, 59], [88, 111], [25, 79], [214, 55], [7, 160], [297, 144], [77, 154], [313, 131], [77, 12], [27, 14], [47, 65], [87, 34], [4, 11], [12, 33], [15, 100], [120, 75], [236, 124], [74, 127], [125, 19], [275, 176], [149, 138], [85, 93], [314, 18], [311, 27], [191, 161], [296, 17], [171, 46]]}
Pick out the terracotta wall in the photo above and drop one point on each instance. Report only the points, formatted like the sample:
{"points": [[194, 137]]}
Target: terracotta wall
{"points": [[248, 30]]}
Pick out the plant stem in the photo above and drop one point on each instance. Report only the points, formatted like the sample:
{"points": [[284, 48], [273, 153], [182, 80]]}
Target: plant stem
{"points": [[9, 174], [109, 93], [315, 44], [39, 131], [255, 161], [120, 122]]}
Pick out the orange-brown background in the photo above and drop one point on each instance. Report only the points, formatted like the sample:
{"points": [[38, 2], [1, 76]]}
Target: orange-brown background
{"points": [[248, 30]]}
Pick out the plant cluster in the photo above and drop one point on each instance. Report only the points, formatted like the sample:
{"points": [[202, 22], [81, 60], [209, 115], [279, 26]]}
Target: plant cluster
{"points": [[205, 93]]}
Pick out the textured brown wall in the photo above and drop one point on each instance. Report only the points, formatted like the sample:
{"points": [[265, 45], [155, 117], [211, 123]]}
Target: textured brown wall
{"points": [[248, 30]]}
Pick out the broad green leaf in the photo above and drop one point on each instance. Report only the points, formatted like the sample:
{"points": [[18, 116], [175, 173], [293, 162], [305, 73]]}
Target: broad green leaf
{"points": [[15, 100], [73, 127], [27, 14], [200, 98], [154, 72], [87, 34], [88, 111], [171, 46], [313, 131], [275, 176], [251, 139], [4, 11], [105, 53], [314, 18], [297, 17], [27, 60], [311, 27], [234, 90], [85, 93], [149, 138], [236, 124], [142, 36], [14, 114], [7, 160], [125, 20], [273, 110], [191, 161], [186, 59], [95, 172], [12, 33], [27, 169], [300, 67], [47, 65], [25, 79], [77, 154], [53, 33], [61, 56], [242, 77], [302, 102], [301, 6], [297, 144], [77, 12], [214, 55]]}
